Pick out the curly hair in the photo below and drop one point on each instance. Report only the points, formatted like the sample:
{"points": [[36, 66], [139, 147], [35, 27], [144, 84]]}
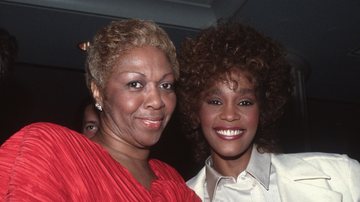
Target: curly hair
{"points": [[212, 55], [119, 37]]}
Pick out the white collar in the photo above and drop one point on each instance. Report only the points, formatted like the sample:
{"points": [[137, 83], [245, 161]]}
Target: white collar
{"points": [[259, 167]]}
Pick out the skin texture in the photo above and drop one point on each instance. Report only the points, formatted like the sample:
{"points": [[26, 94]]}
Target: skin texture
{"points": [[90, 122], [138, 101], [229, 117]]}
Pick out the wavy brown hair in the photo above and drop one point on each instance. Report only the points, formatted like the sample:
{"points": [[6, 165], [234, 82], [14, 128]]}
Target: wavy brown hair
{"points": [[211, 56]]}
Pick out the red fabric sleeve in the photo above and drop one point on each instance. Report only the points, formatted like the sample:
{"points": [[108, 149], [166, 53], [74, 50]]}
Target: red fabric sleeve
{"points": [[25, 167]]}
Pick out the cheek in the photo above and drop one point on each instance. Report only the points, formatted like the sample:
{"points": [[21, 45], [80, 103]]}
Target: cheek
{"points": [[206, 115], [126, 103], [170, 101], [253, 117]]}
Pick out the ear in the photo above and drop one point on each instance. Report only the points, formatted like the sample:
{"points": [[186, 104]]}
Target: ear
{"points": [[96, 94]]}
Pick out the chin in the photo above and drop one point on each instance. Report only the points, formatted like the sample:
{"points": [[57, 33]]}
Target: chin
{"points": [[151, 142], [230, 155]]}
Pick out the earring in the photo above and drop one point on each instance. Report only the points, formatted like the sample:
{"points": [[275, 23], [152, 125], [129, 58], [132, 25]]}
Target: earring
{"points": [[98, 106]]}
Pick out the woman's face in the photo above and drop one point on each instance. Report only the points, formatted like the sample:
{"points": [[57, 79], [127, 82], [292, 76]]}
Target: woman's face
{"points": [[229, 116], [139, 97]]}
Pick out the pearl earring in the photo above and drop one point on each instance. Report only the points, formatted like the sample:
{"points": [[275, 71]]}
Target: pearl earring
{"points": [[98, 106]]}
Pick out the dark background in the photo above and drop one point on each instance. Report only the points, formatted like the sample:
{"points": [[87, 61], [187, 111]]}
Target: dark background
{"points": [[322, 37]]}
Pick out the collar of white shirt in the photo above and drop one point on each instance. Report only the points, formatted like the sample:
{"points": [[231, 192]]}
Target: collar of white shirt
{"points": [[259, 167]]}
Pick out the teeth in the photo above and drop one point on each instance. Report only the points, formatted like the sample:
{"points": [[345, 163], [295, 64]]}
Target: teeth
{"points": [[229, 132], [152, 123]]}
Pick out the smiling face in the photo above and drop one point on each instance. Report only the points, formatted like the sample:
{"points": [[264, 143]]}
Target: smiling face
{"points": [[139, 98], [229, 116]]}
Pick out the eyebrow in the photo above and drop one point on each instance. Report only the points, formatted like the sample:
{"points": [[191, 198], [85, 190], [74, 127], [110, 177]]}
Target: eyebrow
{"points": [[171, 73], [91, 121], [131, 72], [217, 91]]}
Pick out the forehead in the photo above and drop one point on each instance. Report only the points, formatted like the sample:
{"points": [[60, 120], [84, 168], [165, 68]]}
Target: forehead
{"points": [[234, 79], [141, 58], [236, 84], [90, 111]]}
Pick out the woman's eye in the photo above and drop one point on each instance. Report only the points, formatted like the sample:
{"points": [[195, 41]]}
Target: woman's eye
{"points": [[245, 103], [167, 86], [91, 127], [214, 102], [135, 84]]}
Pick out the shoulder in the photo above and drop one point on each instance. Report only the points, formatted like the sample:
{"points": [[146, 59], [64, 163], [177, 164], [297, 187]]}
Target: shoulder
{"points": [[327, 164], [47, 133], [39, 139], [42, 130], [28, 157], [45, 129], [318, 158], [337, 171], [165, 170]]}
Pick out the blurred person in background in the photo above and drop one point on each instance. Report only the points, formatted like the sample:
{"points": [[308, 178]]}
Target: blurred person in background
{"points": [[90, 122]]}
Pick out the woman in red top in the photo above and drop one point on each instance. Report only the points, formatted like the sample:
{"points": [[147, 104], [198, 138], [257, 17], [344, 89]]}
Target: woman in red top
{"points": [[131, 69]]}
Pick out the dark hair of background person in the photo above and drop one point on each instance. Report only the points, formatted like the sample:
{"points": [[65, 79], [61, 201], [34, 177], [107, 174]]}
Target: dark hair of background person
{"points": [[90, 122], [80, 112], [8, 52], [256, 54]]}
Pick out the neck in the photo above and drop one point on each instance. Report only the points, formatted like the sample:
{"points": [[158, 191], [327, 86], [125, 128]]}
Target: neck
{"points": [[231, 166], [118, 148], [134, 159]]}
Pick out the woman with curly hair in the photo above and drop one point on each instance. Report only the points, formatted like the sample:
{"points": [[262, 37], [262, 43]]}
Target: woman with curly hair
{"points": [[233, 88]]}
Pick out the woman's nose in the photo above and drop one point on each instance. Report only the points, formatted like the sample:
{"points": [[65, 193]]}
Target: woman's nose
{"points": [[154, 98], [229, 113]]}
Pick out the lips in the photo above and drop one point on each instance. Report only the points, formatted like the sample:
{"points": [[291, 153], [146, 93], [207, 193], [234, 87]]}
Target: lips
{"points": [[152, 123]]}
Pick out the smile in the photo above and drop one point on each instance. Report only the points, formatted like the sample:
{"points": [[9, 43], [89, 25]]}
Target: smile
{"points": [[153, 124], [229, 132]]}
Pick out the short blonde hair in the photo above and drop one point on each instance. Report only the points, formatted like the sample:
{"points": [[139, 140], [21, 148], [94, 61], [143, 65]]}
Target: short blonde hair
{"points": [[117, 38]]}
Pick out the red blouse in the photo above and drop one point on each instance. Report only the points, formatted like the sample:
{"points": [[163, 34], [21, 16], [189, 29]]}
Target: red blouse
{"points": [[48, 162]]}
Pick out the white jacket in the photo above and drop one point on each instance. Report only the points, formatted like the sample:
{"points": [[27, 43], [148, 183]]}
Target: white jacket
{"points": [[308, 177]]}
